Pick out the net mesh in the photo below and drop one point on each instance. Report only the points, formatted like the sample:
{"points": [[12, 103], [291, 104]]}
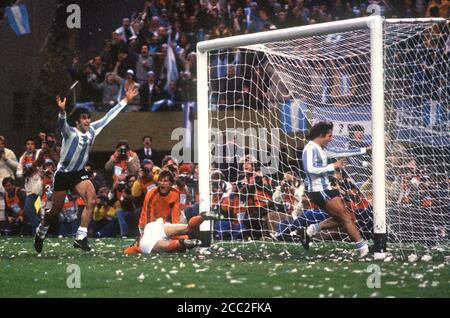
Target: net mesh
{"points": [[263, 99]]}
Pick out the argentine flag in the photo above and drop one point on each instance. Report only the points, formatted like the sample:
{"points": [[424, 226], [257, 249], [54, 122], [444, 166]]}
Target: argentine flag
{"points": [[171, 63], [18, 19], [293, 117]]}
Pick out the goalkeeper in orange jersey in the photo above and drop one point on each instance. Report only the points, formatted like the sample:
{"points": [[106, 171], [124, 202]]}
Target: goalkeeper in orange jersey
{"points": [[157, 237], [160, 218], [162, 202]]}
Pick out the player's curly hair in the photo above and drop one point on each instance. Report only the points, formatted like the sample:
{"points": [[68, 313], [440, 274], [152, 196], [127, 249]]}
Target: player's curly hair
{"points": [[76, 114], [320, 129]]}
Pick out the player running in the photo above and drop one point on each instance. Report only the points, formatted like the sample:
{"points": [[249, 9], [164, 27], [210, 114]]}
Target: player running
{"points": [[319, 190], [70, 173]]}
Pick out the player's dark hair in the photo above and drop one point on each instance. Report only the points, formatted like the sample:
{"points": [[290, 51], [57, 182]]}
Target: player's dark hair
{"points": [[76, 114], [166, 174], [320, 129]]}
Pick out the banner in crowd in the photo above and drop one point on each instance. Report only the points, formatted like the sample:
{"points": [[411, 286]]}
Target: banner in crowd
{"points": [[427, 124], [171, 64], [189, 112], [343, 118], [18, 19]]}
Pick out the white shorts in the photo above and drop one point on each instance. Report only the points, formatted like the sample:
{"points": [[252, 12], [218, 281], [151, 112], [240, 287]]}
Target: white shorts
{"points": [[153, 232]]}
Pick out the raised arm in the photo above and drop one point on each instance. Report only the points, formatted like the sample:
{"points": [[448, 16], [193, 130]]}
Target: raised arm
{"points": [[101, 123], [62, 117], [345, 153]]}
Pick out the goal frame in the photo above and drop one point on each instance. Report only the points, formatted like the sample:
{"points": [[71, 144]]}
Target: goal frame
{"points": [[374, 24]]}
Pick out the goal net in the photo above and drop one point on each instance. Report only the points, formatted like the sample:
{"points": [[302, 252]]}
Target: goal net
{"points": [[264, 91]]}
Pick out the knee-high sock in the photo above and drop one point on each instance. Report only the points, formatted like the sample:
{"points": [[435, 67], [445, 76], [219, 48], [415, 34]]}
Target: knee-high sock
{"points": [[195, 222]]}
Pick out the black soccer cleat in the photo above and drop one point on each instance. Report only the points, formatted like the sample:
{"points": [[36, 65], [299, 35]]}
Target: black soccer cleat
{"points": [[209, 215], [83, 244], [38, 243], [304, 238], [191, 243]]}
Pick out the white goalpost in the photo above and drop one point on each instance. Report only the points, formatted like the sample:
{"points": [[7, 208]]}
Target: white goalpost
{"points": [[259, 93]]}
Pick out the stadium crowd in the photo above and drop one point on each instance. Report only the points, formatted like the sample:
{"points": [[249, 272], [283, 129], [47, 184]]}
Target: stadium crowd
{"points": [[141, 53], [155, 48]]}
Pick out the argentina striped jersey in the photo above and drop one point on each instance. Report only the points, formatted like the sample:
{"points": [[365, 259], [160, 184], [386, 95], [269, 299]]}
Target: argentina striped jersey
{"points": [[76, 145], [315, 163]]}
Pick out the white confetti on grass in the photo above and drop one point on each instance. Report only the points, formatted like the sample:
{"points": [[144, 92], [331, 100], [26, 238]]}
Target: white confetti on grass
{"points": [[141, 277], [392, 283], [417, 276], [201, 270]]}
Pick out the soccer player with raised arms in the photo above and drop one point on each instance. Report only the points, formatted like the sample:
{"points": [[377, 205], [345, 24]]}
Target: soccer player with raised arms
{"points": [[318, 188], [70, 173]]}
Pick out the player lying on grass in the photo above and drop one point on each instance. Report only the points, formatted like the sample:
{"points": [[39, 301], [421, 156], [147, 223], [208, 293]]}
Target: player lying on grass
{"points": [[319, 190], [157, 237]]}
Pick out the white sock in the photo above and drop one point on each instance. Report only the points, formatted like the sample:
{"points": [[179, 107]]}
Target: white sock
{"points": [[362, 247], [42, 230], [81, 233], [313, 229]]}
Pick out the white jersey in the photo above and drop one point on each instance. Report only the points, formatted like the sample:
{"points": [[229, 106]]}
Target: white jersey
{"points": [[315, 163], [76, 145]]}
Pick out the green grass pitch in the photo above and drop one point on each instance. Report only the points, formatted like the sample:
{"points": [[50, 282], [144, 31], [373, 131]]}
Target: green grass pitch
{"points": [[228, 270]]}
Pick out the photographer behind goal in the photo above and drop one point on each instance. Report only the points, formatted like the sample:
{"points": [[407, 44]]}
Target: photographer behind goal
{"points": [[122, 162]]}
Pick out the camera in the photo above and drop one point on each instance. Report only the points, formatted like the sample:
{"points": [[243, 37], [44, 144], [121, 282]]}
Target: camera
{"points": [[190, 181], [146, 171], [50, 143], [122, 185], [259, 180], [103, 199], [27, 170], [123, 152], [183, 179]]}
